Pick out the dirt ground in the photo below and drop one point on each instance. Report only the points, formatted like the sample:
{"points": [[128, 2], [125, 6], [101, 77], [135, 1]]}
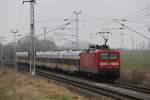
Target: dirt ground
{"points": [[20, 86]]}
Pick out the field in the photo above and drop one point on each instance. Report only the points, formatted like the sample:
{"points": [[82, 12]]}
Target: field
{"points": [[135, 67], [19, 86], [16, 85], [135, 59]]}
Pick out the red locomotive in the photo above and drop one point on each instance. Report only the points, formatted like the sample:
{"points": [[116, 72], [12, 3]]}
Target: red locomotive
{"points": [[102, 63]]}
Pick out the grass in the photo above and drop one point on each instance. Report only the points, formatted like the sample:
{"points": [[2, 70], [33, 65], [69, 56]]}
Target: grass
{"points": [[65, 98], [19, 86], [136, 76], [134, 60], [4, 97], [135, 67]]}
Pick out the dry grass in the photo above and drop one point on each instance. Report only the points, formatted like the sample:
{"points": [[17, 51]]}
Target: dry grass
{"points": [[136, 76], [22, 86], [19, 86]]}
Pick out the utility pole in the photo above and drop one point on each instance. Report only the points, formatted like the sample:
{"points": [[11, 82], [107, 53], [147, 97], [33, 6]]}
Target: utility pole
{"points": [[77, 28], [45, 30], [90, 36], [2, 38], [132, 41], [149, 40], [122, 40], [15, 46], [32, 31]]}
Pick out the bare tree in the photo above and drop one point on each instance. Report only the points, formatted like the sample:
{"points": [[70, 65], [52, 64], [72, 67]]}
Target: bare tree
{"points": [[40, 45]]}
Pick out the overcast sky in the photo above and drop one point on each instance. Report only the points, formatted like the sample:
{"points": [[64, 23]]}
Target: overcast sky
{"points": [[95, 16]]}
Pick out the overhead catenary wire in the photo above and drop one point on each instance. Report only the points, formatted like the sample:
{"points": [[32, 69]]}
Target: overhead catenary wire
{"points": [[59, 27], [143, 9], [51, 20], [135, 21], [98, 25], [138, 12], [87, 27], [133, 30]]}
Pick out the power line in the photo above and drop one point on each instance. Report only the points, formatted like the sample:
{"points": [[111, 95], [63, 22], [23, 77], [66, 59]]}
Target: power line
{"points": [[59, 27], [140, 11], [15, 46], [133, 30], [52, 20], [98, 25], [137, 21]]}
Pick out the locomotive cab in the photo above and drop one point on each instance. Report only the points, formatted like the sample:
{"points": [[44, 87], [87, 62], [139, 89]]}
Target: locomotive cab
{"points": [[108, 63], [103, 63], [108, 59]]}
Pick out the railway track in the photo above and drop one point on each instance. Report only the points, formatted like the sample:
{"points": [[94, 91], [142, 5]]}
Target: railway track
{"points": [[115, 90], [132, 87]]}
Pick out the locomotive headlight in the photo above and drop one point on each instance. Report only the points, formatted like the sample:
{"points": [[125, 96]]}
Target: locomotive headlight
{"points": [[103, 63], [114, 63]]}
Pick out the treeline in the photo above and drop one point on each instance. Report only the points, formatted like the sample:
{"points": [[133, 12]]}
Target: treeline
{"points": [[7, 51], [40, 45]]}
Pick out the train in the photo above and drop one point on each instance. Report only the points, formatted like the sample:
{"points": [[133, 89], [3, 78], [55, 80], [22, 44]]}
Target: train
{"points": [[98, 63]]}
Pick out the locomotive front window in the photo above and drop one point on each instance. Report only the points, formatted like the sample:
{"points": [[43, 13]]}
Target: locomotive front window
{"points": [[107, 56], [112, 55], [104, 56]]}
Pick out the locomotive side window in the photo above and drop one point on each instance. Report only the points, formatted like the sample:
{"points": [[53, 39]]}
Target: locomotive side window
{"points": [[104, 56]]}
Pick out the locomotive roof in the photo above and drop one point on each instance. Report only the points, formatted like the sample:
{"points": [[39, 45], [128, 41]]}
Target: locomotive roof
{"points": [[97, 51]]}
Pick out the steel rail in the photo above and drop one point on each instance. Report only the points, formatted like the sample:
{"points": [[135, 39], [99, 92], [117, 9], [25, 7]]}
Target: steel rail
{"points": [[99, 88], [132, 87]]}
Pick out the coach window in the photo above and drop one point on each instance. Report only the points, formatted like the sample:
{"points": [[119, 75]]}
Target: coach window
{"points": [[67, 61]]}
